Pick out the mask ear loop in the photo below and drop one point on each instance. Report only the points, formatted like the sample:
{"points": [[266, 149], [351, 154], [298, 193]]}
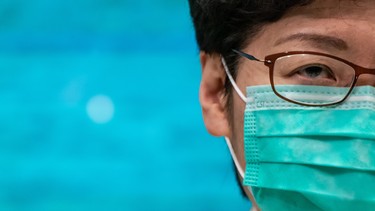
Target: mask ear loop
{"points": [[242, 96], [240, 170], [236, 88], [255, 206], [234, 157]]}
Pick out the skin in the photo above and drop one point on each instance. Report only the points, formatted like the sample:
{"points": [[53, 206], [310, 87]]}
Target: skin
{"points": [[353, 22]]}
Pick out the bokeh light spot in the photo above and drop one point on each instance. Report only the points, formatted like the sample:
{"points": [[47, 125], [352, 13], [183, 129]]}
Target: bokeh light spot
{"points": [[100, 109]]}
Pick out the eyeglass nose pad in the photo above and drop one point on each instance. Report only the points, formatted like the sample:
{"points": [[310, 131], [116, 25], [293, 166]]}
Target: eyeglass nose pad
{"points": [[366, 80]]}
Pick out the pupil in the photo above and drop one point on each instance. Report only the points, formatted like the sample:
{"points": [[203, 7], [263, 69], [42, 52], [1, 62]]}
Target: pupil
{"points": [[313, 71]]}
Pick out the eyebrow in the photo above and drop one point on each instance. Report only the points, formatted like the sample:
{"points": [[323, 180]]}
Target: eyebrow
{"points": [[317, 40]]}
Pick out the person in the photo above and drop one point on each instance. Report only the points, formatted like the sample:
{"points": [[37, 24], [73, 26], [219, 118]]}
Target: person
{"points": [[290, 85]]}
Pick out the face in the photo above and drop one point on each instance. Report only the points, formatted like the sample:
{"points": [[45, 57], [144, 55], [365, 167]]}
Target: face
{"points": [[343, 28]]}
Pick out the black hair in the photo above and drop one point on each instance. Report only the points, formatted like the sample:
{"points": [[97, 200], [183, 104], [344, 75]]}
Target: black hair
{"points": [[223, 25]]}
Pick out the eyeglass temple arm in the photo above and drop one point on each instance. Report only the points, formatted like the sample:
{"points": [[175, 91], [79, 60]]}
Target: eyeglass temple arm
{"points": [[232, 81], [248, 56]]}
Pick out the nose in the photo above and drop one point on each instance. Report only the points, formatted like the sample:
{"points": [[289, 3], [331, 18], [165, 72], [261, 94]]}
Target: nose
{"points": [[366, 80]]}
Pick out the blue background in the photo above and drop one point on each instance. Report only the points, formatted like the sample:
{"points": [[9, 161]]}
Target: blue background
{"points": [[99, 110]]}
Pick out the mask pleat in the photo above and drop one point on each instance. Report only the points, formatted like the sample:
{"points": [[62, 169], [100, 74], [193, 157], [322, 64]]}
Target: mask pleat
{"points": [[310, 158]]}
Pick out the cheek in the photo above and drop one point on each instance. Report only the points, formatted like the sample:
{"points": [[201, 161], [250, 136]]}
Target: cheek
{"points": [[237, 128], [238, 114], [257, 75], [252, 73]]}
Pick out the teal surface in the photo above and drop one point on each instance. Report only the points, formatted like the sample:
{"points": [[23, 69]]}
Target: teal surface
{"points": [[99, 110]]}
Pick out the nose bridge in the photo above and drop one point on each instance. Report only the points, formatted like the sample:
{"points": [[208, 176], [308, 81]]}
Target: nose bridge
{"points": [[367, 77]]}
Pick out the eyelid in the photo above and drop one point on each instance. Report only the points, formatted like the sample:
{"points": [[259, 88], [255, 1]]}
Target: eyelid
{"points": [[320, 65]]}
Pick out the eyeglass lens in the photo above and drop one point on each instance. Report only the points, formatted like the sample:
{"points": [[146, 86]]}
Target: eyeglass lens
{"points": [[312, 70]]}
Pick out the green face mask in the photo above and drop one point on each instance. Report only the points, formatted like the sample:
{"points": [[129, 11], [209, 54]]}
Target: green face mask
{"points": [[310, 158]]}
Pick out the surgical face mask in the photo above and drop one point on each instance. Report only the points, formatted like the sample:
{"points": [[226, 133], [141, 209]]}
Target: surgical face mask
{"points": [[310, 158]]}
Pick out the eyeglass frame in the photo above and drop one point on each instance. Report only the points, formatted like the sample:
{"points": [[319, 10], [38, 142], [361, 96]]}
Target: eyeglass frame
{"points": [[271, 59]]}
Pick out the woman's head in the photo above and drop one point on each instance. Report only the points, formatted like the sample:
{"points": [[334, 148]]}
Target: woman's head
{"points": [[224, 25], [342, 28]]}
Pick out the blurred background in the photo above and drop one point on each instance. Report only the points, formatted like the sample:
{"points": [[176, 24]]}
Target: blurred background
{"points": [[99, 110]]}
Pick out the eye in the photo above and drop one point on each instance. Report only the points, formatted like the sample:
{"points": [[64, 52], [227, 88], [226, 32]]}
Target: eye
{"points": [[315, 71]]}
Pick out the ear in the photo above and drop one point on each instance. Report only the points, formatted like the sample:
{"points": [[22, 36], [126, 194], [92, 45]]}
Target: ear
{"points": [[212, 95]]}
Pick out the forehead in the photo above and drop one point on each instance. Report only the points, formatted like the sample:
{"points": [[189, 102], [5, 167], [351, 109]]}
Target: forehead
{"points": [[351, 21], [336, 8]]}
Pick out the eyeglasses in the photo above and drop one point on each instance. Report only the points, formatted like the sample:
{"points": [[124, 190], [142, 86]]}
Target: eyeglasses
{"points": [[311, 69]]}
